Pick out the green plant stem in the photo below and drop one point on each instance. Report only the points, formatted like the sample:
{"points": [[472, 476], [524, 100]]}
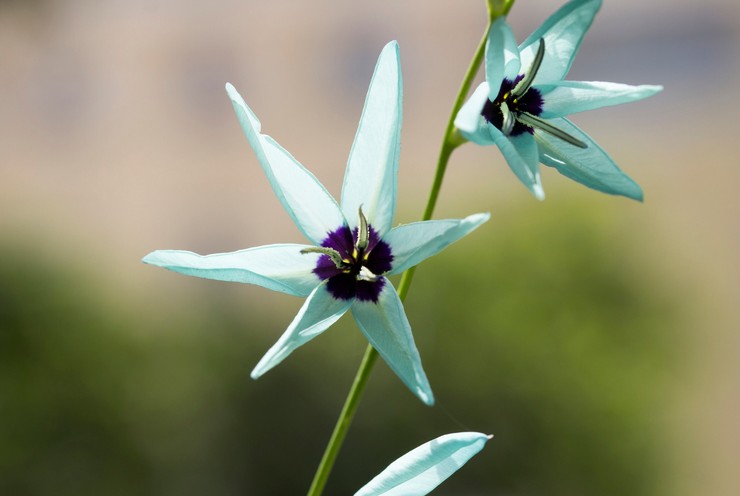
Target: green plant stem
{"points": [[344, 421], [498, 8], [451, 140]]}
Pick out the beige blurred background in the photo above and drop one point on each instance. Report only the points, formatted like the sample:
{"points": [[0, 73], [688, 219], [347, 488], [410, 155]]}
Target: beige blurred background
{"points": [[117, 138]]}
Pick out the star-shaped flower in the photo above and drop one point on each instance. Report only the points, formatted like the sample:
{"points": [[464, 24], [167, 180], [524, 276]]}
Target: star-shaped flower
{"points": [[353, 247], [521, 107]]}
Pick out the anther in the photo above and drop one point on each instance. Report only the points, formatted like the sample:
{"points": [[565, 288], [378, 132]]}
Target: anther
{"points": [[508, 119], [363, 232], [534, 121], [329, 252], [523, 86], [366, 275]]}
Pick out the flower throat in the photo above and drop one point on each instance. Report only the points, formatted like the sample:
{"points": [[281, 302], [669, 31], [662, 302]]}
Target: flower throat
{"points": [[517, 107]]}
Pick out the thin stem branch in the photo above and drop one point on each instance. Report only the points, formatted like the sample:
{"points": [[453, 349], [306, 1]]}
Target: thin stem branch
{"points": [[451, 140], [344, 421]]}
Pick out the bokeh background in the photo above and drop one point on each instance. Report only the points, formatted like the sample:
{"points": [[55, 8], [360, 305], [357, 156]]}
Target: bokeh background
{"points": [[596, 337]]}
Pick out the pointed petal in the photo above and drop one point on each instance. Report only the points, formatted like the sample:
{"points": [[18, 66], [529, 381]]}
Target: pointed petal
{"points": [[386, 327], [277, 267], [591, 166], [563, 33], [372, 169], [413, 243], [521, 155], [424, 468], [569, 97], [307, 202], [502, 56], [469, 120], [319, 311]]}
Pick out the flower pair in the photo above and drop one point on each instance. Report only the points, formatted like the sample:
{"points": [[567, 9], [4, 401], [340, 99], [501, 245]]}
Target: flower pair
{"points": [[353, 247], [521, 107]]}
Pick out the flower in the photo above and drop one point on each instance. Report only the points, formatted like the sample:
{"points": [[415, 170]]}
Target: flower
{"points": [[521, 107], [353, 246], [422, 469]]}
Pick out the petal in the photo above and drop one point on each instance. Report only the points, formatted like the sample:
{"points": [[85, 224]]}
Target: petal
{"points": [[319, 311], [372, 169], [569, 97], [521, 155], [469, 120], [424, 468], [413, 243], [308, 203], [502, 56], [386, 327], [278, 267], [563, 33], [591, 166]]}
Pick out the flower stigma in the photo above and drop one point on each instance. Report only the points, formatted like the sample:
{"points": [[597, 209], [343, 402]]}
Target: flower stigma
{"points": [[518, 105]]}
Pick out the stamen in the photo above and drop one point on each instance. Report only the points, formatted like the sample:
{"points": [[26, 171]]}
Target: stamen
{"points": [[329, 252], [363, 232], [523, 86], [366, 275], [508, 119], [534, 121]]}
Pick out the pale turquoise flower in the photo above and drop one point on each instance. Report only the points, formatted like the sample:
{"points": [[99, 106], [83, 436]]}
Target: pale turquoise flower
{"points": [[424, 468], [353, 247], [521, 107]]}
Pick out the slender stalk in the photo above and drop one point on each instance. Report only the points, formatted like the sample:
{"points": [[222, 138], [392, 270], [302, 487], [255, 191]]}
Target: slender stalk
{"points": [[498, 8], [344, 421], [451, 140]]}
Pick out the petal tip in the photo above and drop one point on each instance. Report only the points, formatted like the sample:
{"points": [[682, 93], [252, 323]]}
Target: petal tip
{"points": [[423, 390], [538, 192], [390, 49], [152, 258], [480, 218], [262, 367], [632, 191], [231, 91]]}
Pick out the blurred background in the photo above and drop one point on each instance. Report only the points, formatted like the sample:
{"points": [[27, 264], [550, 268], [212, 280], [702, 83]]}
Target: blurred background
{"points": [[596, 337]]}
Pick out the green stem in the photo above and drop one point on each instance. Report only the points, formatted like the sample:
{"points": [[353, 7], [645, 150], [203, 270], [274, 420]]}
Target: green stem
{"points": [[498, 8], [344, 421], [451, 140]]}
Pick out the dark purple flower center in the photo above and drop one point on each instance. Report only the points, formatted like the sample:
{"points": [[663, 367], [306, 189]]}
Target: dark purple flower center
{"points": [[530, 102], [360, 272]]}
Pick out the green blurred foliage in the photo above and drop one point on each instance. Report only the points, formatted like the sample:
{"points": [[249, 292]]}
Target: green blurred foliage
{"points": [[544, 328]]}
